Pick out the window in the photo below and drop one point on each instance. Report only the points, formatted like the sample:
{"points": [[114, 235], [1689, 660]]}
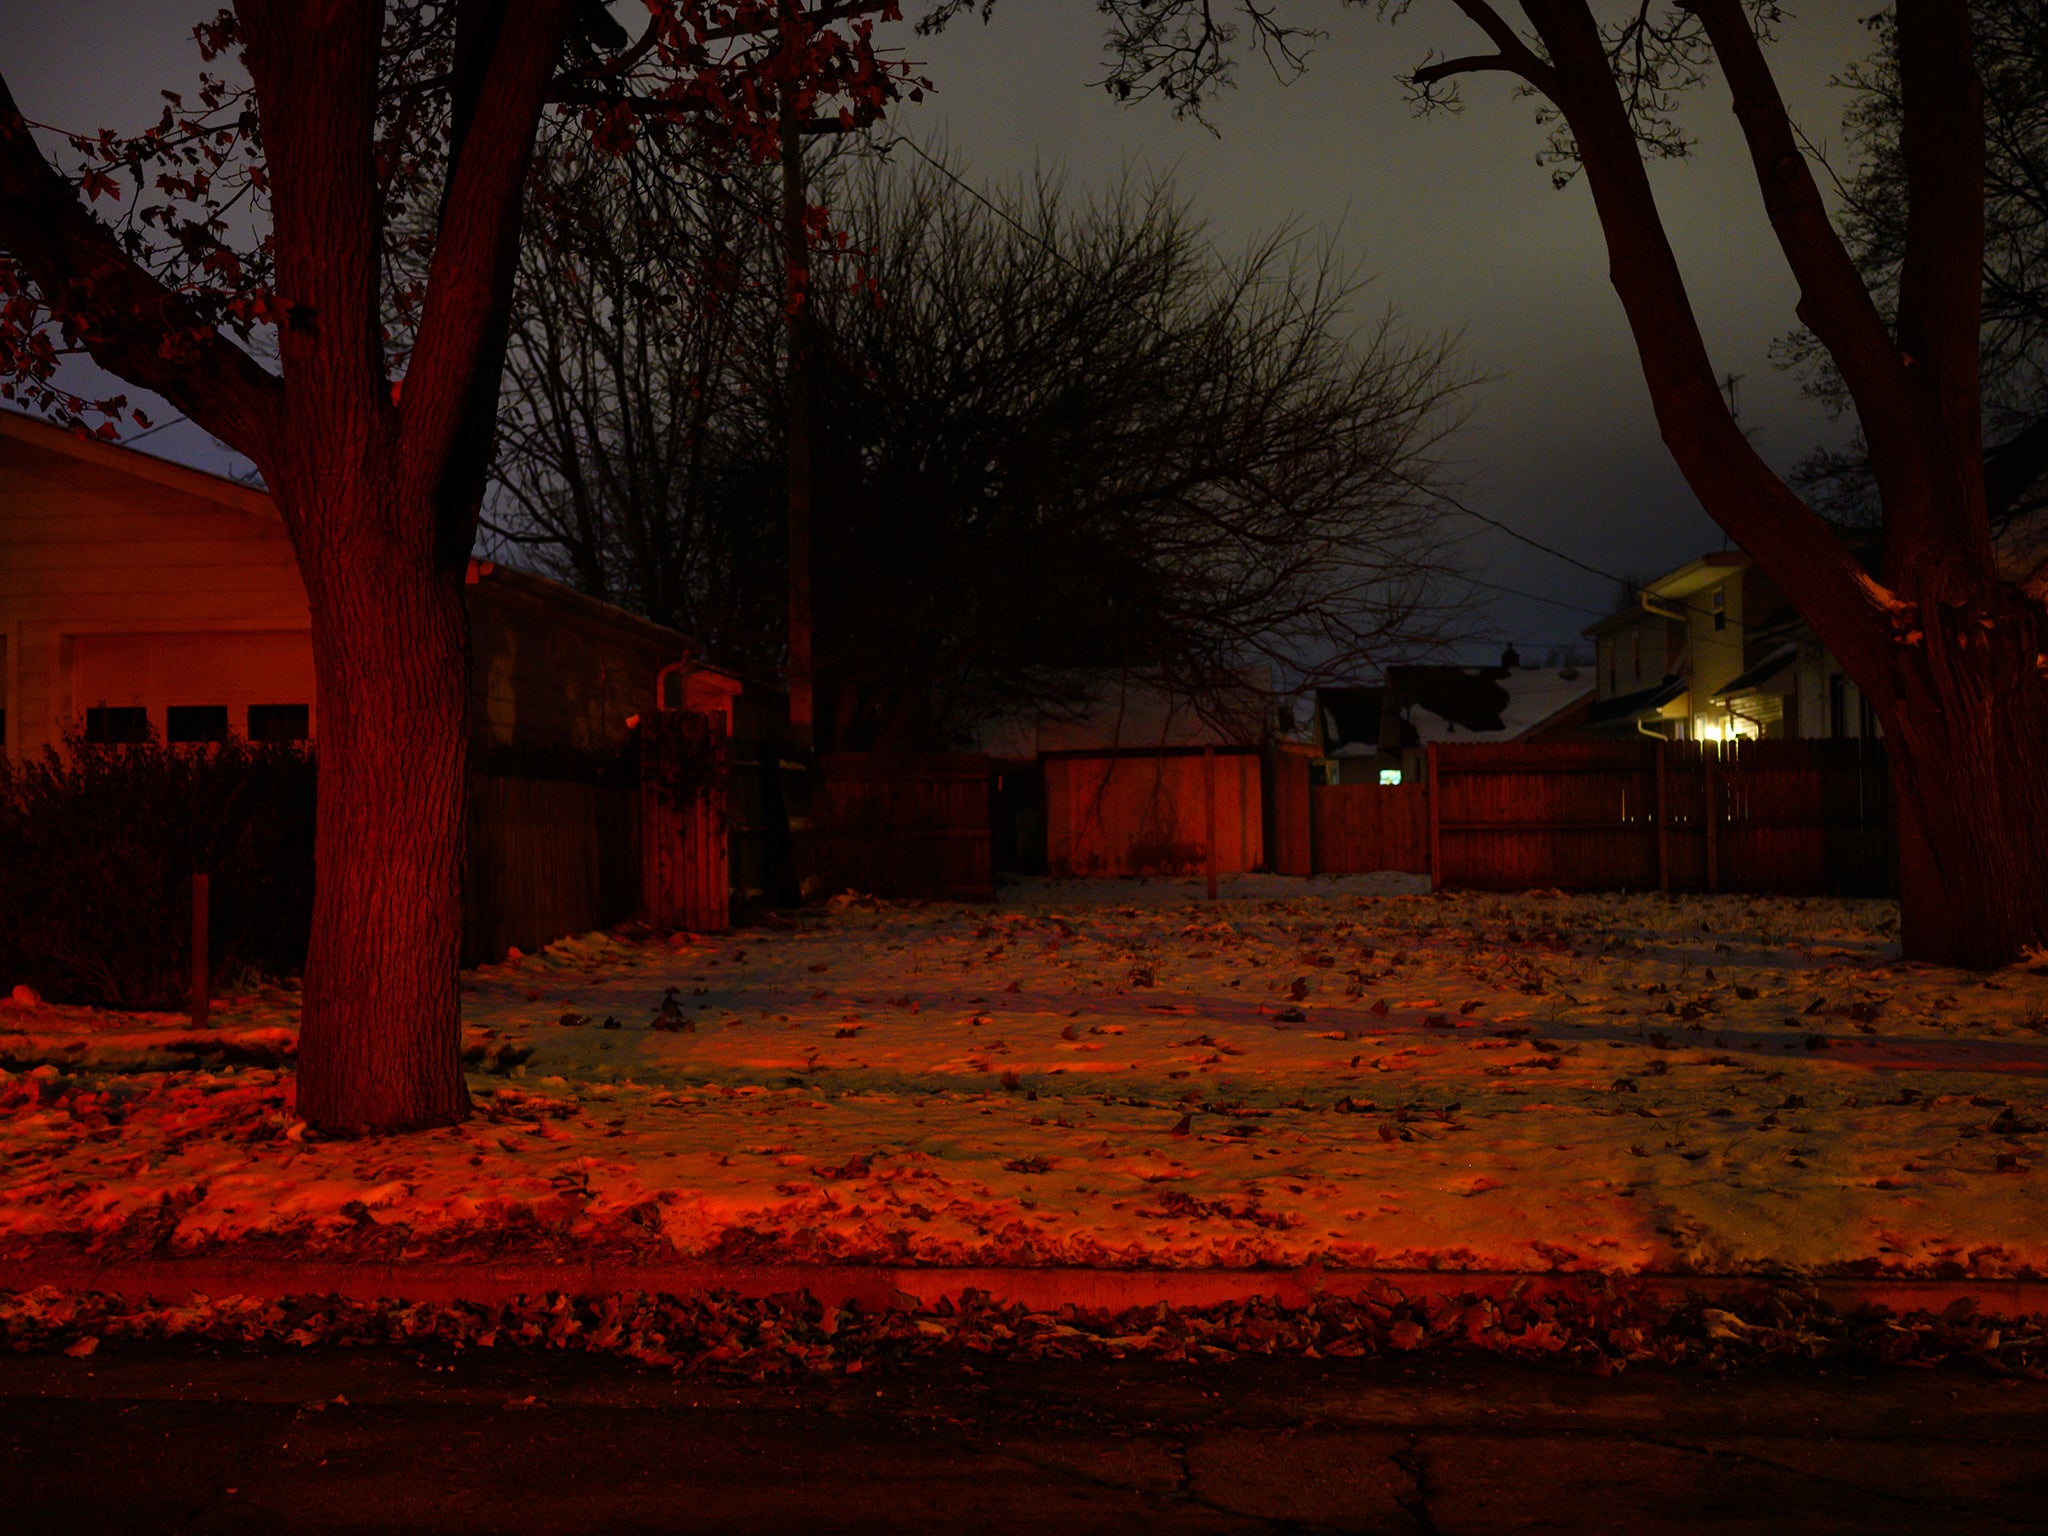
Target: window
{"points": [[1390, 776], [1720, 608], [279, 722], [196, 722], [117, 724]]}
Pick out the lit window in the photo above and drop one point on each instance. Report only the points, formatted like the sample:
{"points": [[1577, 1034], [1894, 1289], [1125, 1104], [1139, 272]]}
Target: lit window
{"points": [[279, 722], [1390, 775], [196, 722], [117, 724]]}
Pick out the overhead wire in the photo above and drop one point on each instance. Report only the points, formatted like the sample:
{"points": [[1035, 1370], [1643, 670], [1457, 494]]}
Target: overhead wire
{"points": [[1444, 497]]}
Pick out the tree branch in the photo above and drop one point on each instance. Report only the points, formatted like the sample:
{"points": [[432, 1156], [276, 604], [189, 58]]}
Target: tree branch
{"points": [[1470, 64], [1833, 301], [1505, 39], [1786, 538], [131, 324], [468, 283], [1941, 277]]}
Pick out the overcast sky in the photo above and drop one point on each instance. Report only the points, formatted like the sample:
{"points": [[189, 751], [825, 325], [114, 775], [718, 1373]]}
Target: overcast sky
{"points": [[1461, 227]]}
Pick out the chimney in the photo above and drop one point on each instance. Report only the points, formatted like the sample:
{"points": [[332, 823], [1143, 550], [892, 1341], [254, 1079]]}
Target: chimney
{"points": [[1510, 658]]}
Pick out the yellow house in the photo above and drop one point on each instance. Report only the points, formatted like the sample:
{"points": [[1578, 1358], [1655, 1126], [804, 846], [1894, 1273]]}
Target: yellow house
{"points": [[141, 598]]}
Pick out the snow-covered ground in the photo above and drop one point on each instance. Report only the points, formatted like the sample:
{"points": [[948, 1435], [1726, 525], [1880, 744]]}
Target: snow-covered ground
{"points": [[1348, 1071]]}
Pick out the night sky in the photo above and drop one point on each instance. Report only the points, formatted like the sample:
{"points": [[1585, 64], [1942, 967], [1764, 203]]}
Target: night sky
{"points": [[1454, 216]]}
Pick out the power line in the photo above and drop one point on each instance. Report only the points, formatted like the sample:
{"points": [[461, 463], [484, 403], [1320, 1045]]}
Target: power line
{"points": [[1535, 597], [1435, 494]]}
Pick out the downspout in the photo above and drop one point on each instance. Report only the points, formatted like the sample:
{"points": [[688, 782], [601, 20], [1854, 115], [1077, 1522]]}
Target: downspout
{"points": [[1654, 605]]}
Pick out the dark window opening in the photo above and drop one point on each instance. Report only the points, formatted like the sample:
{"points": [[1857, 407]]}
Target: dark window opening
{"points": [[196, 722], [117, 724], [279, 722]]}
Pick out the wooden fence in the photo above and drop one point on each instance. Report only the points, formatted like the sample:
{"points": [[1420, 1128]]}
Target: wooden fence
{"points": [[910, 825], [1766, 816], [547, 857], [1149, 811]]}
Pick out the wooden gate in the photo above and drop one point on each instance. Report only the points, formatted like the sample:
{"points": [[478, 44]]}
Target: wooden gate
{"points": [[912, 825], [685, 882], [1149, 811], [1364, 828]]}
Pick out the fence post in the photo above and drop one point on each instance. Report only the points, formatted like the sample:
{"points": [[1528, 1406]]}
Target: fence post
{"points": [[1436, 839], [201, 970], [1663, 819], [1209, 816], [1712, 786]]}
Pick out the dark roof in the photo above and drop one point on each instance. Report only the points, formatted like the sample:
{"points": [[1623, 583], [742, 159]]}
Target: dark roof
{"points": [[1349, 716], [1471, 698], [1752, 680], [1629, 705]]}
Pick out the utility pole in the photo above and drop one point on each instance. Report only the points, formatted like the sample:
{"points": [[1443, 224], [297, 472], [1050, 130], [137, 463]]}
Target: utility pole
{"points": [[797, 387]]}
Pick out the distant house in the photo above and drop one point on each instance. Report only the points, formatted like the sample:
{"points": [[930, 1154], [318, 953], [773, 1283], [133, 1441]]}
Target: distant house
{"points": [[140, 598], [1713, 651], [1379, 733]]}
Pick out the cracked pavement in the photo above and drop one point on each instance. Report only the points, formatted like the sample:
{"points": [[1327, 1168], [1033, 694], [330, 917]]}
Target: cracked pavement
{"points": [[384, 1440]]}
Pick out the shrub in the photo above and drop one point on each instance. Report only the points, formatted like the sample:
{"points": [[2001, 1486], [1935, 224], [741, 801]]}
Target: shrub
{"points": [[98, 845]]}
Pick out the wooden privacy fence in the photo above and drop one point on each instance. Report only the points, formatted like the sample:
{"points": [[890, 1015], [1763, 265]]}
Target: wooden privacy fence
{"points": [[1149, 811], [1789, 817], [903, 824], [547, 857]]}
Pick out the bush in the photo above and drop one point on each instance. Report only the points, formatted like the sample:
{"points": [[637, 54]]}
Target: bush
{"points": [[98, 845]]}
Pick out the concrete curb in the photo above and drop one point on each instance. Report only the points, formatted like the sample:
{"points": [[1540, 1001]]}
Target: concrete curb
{"points": [[878, 1287]]}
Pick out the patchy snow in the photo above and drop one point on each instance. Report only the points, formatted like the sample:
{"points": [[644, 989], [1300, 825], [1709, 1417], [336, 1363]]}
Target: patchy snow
{"points": [[1119, 1073]]}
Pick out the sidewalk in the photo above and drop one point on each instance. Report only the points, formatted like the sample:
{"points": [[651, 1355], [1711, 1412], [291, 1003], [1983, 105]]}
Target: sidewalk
{"points": [[388, 1439]]}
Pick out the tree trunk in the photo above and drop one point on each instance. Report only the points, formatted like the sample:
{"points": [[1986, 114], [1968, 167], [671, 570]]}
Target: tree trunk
{"points": [[1967, 745], [380, 1039]]}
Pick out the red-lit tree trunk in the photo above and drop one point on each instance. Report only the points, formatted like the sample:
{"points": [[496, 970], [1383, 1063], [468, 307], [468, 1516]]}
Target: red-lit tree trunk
{"points": [[1968, 746], [380, 1034]]}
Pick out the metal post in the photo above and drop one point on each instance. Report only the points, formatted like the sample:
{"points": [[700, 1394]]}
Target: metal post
{"points": [[201, 977], [796, 261], [1436, 827], [1663, 820], [1209, 814], [1712, 752]]}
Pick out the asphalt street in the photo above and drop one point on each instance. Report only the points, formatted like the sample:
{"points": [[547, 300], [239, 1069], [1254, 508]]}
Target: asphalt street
{"points": [[377, 1440]]}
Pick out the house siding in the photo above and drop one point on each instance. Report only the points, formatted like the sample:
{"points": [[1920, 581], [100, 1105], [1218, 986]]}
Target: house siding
{"points": [[192, 581]]}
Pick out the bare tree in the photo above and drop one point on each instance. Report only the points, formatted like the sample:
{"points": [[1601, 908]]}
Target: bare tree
{"points": [[1951, 653], [1061, 436], [1052, 439], [631, 426]]}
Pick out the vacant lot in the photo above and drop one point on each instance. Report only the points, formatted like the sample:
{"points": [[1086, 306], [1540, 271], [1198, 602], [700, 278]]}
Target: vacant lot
{"points": [[1120, 1074]]}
